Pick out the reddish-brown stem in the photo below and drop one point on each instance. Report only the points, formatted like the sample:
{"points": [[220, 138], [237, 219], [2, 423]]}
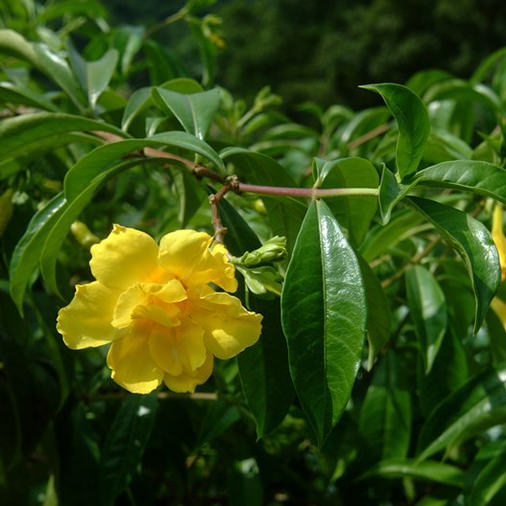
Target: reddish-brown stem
{"points": [[305, 192]]}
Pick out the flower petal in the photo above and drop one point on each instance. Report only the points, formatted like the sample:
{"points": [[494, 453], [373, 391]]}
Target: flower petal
{"points": [[149, 301], [179, 349], [164, 351], [186, 382], [86, 321], [229, 327], [499, 239], [188, 255], [132, 365], [125, 257]]}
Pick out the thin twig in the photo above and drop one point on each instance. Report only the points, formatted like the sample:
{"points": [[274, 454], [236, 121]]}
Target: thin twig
{"points": [[219, 230], [375, 132]]}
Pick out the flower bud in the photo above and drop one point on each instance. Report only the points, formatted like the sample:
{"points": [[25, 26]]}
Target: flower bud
{"points": [[273, 250], [83, 235]]}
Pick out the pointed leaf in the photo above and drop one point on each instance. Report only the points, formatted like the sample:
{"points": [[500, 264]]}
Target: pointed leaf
{"points": [[413, 122], [478, 177], [138, 101], [428, 309], [324, 317], [474, 243], [99, 73], [195, 112], [473, 408], [427, 470], [25, 257]]}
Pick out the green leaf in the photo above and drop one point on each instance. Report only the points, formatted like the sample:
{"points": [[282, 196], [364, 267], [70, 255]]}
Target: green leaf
{"points": [[190, 193], [384, 424], [57, 69], [78, 456], [14, 44], [124, 444], [378, 312], [263, 367], [98, 75], [390, 193], [285, 213], [474, 243], [497, 337], [382, 238], [101, 158], [25, 257], [428, 309], [19, 136], [195, 112], [219, 417], [138, 101], [70, 212], [323, 308], [473, 408], [13, 94], [428, 470], [481, 178], [487, 64], [449, 372], [491, 479], [413, 122], [354, 213]]}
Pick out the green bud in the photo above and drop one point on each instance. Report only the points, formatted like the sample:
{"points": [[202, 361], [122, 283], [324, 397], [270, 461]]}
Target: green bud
{"points": [[83, 235], [273, 250]]}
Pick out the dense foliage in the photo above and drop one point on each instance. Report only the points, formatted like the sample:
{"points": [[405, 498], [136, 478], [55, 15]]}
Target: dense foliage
{"points": [[380, 374]]}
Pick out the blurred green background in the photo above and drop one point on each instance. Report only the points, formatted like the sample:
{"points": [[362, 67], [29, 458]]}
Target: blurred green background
{"points": [[322, 50]]}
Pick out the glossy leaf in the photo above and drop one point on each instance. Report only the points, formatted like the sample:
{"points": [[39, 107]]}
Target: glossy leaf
{"points": [[324, 317], [355, 213], [285, 213], [25, 257], [428, 310], [427, 470], [124, 444], [190, 193], [98, 75], [478, 177], [476, 406], [413, 122], [474, 243], [195, 112]]}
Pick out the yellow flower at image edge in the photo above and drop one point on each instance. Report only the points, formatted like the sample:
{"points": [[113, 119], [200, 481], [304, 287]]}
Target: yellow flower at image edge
{"points": [[156, 308], [500, 242]]}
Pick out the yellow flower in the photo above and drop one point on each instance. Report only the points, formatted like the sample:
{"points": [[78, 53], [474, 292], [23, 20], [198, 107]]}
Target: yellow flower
{"points": [[500, 242], [499, 239], [155, 306]]}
